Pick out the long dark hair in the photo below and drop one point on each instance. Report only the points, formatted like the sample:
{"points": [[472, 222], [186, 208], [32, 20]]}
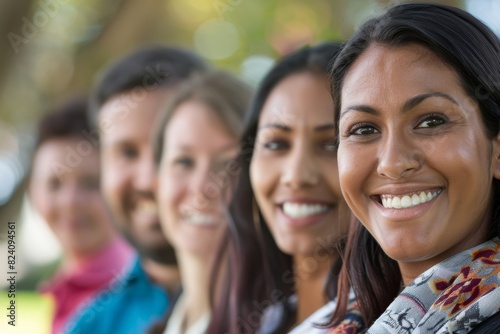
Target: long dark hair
{"points": [[259, 273], [473, 51]]}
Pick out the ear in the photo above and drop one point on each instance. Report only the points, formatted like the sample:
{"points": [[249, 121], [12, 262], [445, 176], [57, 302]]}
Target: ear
{"points": [[495, 163]]}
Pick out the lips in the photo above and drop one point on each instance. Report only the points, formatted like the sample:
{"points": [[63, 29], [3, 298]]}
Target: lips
{"points": [[408, 200], [301, 210], [200, 219], [147, 207], [145, 212]]}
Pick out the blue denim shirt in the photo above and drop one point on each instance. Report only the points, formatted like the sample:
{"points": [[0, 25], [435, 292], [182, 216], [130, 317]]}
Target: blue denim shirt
{"points": [[129, 306]]}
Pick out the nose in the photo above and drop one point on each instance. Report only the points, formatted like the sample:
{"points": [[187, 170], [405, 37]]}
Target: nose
{"points": [[299, 169], [399, 156], [205, 183], [71, 197], [145, 177]]}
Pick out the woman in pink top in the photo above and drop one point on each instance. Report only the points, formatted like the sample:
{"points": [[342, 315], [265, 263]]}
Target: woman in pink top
{"points": [[64, 189]]}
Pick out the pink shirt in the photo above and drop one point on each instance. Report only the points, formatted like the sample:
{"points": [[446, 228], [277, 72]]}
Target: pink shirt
{"points": [[71, 289]]}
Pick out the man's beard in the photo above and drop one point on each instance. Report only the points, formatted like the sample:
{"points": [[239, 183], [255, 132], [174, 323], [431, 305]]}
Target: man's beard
{"points": [[162, 254]]}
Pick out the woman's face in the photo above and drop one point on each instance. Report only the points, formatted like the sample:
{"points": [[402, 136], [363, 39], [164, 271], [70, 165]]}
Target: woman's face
{"points": [[193, 175], [65, 191], [294, 166], [415, 164]]}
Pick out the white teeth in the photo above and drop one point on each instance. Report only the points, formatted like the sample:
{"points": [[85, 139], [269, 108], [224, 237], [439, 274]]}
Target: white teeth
{"points": [[200, 219], [415, 200], [296, 210], [408, 201]]}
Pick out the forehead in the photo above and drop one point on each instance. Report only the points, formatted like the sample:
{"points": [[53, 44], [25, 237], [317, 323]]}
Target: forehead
{"points": [[300, 97], [195, 124], [397, 72], [131, 116], [77, 155]]}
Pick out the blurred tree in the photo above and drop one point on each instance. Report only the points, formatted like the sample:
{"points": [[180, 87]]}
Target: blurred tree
{"points": [[54, 48], [11, 14]]}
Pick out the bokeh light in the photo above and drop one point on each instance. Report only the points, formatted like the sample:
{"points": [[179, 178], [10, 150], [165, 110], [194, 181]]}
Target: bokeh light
{"points": [[216, 39]]}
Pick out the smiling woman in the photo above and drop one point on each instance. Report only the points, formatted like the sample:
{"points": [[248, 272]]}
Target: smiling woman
{"points": [[417, 109], [288, 214], [196, 143]]}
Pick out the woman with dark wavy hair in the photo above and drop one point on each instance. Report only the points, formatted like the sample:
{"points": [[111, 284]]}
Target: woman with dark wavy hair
{"points": [[288, 213], [417, 108]]}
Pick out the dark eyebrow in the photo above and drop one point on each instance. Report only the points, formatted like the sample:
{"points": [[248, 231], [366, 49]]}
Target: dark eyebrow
{"points": [[414, 101], [123, 142], [411, 103], [186, 148], [278, 126], [283, 127], [360, 107], [325, 127]]}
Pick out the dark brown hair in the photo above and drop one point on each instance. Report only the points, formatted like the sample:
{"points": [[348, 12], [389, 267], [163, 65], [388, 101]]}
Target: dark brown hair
{"points": [[65, 121], [144, 69], [227, 96]]}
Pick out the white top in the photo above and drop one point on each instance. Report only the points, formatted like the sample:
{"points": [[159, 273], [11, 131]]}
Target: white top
{"points": [[176, 320], [321, 316], [273, 315]]}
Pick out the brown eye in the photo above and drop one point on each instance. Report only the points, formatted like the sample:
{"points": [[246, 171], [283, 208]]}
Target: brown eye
{"points": [[363, 130], [330, 145], [129, 152], [54, 184], [90, 183], [431, 121], [184, 162], [276, 145]]}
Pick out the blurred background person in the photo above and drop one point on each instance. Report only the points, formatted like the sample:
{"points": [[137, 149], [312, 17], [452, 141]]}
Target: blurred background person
{"points": [[125, 105], [64, 189], [196, 145]]}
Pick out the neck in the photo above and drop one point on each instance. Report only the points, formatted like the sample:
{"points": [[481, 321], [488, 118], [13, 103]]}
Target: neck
{"points": [[411, 270], [73, 259], [166, 276], [196, 274], [310, 277]]}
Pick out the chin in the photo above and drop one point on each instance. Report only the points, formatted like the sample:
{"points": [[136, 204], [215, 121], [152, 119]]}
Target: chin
{"points": [[201, 252]]}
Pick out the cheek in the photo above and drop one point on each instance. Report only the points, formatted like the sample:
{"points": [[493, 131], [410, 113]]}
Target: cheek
{"points": [[330, 173], [262, 176], [343, 171], [114, 183], [171, 191], [97, 210], [44, 203], [353, 170]]}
